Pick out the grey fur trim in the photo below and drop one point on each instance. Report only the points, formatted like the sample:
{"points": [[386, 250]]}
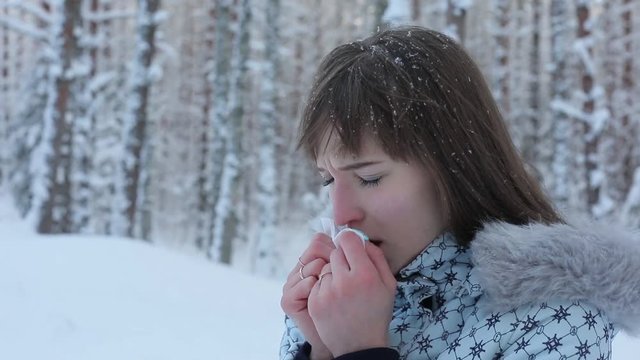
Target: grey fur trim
{"points": [[595, 263]]}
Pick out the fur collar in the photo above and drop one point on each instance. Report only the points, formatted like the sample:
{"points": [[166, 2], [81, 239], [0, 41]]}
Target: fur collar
{"points": [[596, 263]]}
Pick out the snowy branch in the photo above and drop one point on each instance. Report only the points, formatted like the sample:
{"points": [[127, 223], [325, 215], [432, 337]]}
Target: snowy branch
{"points": [[581, 47], [29, 8], [23, 28], [109, 15]]}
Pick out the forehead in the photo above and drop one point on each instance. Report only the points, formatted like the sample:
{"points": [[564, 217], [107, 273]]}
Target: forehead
{"points": [[332, 148]]}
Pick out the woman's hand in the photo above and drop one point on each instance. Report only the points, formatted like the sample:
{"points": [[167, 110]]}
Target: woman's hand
{"points": [[296, 290], [352, 305]]}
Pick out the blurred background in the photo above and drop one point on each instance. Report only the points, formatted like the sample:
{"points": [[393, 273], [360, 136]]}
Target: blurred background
{"points": [[151, 195], [175, 122]]}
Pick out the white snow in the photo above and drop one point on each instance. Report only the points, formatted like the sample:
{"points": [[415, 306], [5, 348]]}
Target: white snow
{"points": [[90, 297]]}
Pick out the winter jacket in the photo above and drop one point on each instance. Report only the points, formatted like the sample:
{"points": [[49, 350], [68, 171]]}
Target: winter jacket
{"points": [[517, 292]]}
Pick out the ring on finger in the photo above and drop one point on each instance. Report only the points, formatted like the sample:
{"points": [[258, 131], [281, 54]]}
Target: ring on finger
{"points": [[300, 272], [323, 274], [301, 263]]}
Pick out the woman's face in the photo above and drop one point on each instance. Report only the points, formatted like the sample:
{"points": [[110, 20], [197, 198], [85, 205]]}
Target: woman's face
{"points": [[393, 202]]}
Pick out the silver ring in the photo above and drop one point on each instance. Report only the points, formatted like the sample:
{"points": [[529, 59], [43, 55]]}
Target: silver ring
{"points": [[321, 275], [300, 262], [300, 272]]}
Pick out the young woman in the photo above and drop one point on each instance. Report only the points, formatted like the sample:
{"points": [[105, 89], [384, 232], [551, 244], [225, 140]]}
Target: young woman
{"points": [[466, 258]]}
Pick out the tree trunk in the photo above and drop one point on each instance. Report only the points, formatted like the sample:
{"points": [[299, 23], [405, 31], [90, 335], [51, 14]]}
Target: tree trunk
{"points": [[561, 39], [267, 177], [137, 155], [55, 211], [585, 126], [456, 17], [224, 164], [501, 36]]}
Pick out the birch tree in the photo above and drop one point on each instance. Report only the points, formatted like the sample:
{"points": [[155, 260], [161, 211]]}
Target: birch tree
{"points": [[21, 121], [540, 102], [501, 60], [267, 197], [225, 149], [225, 227], [219, 123], [135, 174], [205, 186], [54, 161], [561, 38], [590, 117], [456, 18]]}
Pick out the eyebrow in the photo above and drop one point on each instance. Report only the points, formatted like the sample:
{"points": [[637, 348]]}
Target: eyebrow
{"points": [[354, 166]]}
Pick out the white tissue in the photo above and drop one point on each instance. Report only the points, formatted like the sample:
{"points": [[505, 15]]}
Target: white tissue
{"points": [[329, 228]]}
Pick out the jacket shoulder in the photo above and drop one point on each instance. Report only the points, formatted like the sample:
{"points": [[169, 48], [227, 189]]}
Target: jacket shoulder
{"points": [[550, 330], [553, 329], [591, 263]]}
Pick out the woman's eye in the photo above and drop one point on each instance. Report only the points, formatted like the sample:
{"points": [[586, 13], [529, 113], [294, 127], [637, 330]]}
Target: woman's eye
{"points": [[327, 182], [370, 182]]}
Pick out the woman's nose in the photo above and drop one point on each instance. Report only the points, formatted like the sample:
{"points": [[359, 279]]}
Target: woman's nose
{"points": [[346, 208]]}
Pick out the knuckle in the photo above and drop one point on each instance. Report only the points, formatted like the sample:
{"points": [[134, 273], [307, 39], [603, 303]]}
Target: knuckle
{"points": [[316, 251], [285, 304], [314, 266], [320, 241]]}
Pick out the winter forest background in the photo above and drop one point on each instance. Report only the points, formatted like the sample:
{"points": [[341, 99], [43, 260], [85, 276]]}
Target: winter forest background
{"points": [[175, 121]]}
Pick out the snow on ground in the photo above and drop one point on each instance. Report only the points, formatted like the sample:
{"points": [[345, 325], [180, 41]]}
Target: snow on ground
{"points": [[93, 298]]}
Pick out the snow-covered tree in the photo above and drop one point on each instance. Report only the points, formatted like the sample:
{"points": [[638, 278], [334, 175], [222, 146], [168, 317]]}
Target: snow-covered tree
{"points": [[456, 18], [187, 130], [57, 159], [589, 115], [267, 196], [615, 148], [562, 36], [501, 31], [135, 214], [226, 221]]}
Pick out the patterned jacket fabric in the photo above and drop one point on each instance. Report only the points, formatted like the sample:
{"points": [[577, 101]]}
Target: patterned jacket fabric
{"points": [[530, 292]]}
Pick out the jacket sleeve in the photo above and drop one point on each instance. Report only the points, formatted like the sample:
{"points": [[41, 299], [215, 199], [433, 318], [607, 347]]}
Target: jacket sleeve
{"points": [[292, 342], [571, 330], [381, 353], [294, 347]]}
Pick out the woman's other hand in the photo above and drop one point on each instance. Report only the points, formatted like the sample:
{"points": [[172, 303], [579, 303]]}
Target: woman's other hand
{"points": [[296, 290], [352, 305]]}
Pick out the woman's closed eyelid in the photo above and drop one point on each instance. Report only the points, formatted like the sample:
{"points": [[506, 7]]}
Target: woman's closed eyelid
{"points": [[364, 181], [370, 181], [327, 182]]}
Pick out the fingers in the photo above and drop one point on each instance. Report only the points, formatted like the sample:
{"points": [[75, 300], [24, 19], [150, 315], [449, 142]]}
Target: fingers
{"points": [[339, 262], [319, 247], [368, 259], [354, 252], [294, 298], [382, 266], [326, 269], [312, 268]]}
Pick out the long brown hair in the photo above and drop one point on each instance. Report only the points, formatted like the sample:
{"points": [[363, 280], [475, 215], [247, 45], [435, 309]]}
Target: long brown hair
{"points": [[421, 96]]}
